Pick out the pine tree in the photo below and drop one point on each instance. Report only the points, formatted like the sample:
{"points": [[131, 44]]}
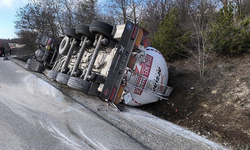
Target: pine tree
{"points": [[170, 36], [230, 35]]}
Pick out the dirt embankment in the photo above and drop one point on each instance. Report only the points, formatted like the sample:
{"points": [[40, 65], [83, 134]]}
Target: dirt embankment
{"points": [[218, 108]]}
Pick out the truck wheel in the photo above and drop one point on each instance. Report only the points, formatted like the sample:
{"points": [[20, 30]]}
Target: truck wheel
{"points": [[83, 30], [102, 28], [28, 64], [62, 78], [52, 74], [79, 84], [64, 46], [71, 32]]}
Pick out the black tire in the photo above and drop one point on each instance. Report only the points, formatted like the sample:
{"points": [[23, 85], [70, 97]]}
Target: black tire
{"points": [[62, 78], [29, 61], [79, 84], [101, 28], [83, 30], [27, 64], [64, 46], [71, 32], [52, 74]]}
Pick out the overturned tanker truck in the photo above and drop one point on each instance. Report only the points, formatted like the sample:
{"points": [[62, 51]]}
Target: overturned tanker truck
{"points": [[116, 64]]}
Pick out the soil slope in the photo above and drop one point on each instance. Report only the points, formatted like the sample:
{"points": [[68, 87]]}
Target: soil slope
{"points": [[217, 108]]}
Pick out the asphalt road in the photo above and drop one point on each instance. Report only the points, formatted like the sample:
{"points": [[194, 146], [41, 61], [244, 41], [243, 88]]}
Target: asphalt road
{"points": [[37, 113]]}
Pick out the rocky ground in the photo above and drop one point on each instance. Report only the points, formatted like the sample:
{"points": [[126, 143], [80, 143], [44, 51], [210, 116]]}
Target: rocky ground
{"points": [[217, 108]]}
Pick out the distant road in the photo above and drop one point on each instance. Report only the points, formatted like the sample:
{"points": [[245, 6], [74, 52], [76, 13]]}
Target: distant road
{"points": [[37, 115]]}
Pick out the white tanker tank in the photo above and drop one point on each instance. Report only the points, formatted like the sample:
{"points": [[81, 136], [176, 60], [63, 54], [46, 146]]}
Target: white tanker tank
{"points": [[146, 82]]}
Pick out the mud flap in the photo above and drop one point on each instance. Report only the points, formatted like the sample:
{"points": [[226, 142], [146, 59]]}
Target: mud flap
{"points": [[117, 103], [93, 90]]}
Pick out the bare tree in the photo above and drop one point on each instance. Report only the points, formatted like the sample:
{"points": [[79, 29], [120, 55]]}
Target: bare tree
{"points": [[224, 2], [136, 7], [164, 7], [123, 10], [154, 12], [120, 9], [59, 17], [243, 7], [184, 7], [246, 7], [52, 17], [201, 13], [86, 11], [68, 14], [105, 14], [48, 14]]}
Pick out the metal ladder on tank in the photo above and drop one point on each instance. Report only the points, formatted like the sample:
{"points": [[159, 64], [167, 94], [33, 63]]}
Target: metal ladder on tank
{"points": [[151, 86]]}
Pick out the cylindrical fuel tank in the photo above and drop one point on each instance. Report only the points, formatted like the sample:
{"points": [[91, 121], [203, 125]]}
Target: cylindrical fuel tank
{"points": [[147, 79]]}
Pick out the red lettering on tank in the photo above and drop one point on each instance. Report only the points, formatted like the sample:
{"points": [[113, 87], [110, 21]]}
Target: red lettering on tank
{"points": [[137, 91], [145, 71]]}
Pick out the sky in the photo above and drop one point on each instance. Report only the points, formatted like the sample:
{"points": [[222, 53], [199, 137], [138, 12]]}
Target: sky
{"points": [[8, 9]]}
